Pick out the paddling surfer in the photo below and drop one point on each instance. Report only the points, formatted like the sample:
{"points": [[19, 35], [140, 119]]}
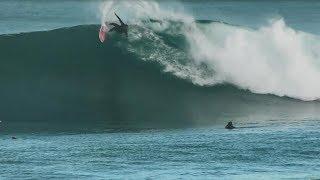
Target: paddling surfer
{"points": [[229, 125]]}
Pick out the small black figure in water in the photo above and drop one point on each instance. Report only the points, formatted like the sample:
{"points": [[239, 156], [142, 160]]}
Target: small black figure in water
{"points": [[121, 29], [229, 125]]}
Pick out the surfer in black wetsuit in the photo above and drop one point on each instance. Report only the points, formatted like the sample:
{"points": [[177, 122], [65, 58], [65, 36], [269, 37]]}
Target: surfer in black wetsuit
{"points": [[229, 125], [121, 29]]}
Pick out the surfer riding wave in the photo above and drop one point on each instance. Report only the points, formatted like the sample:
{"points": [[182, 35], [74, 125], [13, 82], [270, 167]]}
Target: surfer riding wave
{"points": [[121, 29]]}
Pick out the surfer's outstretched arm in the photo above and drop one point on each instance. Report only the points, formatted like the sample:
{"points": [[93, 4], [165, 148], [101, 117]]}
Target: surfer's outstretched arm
{"points": [[119, 19]]}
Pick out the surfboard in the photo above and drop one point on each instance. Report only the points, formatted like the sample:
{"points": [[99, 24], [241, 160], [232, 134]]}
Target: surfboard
{"points": [[103, 33]]}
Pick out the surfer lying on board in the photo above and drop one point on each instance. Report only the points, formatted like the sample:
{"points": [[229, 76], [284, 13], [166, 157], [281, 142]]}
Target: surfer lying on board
{"points": [[121, 29]]}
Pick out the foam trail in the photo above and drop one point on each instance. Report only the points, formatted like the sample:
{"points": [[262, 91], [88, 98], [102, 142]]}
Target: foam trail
{"points": [[273, 59]]}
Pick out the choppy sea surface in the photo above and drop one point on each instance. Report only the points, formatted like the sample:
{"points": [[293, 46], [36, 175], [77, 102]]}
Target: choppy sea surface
{"points": [[270, 152]]}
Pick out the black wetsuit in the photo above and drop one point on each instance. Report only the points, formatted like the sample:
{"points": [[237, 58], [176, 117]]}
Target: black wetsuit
{"points": [[229, 125], [121, 29]]}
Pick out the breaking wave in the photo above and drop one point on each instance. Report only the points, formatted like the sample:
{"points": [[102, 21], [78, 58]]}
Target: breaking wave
{"points": [[273, 59], [171, 69]]}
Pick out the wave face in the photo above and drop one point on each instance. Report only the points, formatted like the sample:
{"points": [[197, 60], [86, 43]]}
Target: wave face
{"points": [[67, 78]]}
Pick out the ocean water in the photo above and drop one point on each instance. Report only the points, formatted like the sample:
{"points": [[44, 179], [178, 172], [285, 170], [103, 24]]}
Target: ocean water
{"points": [[269, 152], [154, 105]]}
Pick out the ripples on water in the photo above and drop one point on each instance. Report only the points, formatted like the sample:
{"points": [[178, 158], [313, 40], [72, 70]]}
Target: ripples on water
{"points": [[270, 151]]}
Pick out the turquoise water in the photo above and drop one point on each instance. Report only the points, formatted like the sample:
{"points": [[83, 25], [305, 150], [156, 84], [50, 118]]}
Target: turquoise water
{"points": [[154, 105], [269, 152]]}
